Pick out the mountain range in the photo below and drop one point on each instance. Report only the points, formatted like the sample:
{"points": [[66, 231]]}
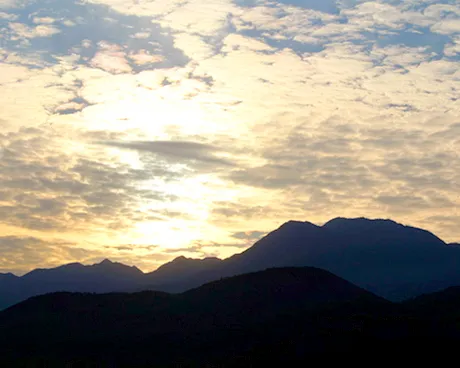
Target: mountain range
{"points": [[384, 257], [277, 316]]}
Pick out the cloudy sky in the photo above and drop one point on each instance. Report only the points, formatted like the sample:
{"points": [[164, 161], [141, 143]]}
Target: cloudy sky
{"points": [[141, 130]]}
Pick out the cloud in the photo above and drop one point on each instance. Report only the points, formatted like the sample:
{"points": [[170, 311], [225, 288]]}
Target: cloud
{"points": [[249, 235], [7, 4], [53, 31], [326, 6], [220, 117], [49, 190], [43, 30], [111, 58], [7, 16], [21, 254], [176, 151]]}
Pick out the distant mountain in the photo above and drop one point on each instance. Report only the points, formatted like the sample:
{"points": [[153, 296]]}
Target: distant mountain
{"points": [[7, 276], [387, 258], [102, 277], [382, 256], [206, 324], [171, 274], [107, 270]]}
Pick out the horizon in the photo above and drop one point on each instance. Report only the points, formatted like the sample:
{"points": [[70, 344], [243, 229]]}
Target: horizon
{"points": [[140, 131], [144, 271]]}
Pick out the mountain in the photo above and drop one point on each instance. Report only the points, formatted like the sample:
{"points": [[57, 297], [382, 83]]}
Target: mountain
{"points": [[258, 295], [7, 277], [106, 276], [217, 322], [102, 277], [181, 268], [387, 258], [280, 315], [78, 275]]}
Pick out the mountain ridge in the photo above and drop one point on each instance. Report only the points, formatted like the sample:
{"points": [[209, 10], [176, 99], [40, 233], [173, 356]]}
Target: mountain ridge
{"points": [[390, 259], [279, 313]]}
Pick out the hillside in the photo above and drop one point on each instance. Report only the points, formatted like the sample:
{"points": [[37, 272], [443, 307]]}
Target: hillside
{"points": [[229, 313], [276, 315]]}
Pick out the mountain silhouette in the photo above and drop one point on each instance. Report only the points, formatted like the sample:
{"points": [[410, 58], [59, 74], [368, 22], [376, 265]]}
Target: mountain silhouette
{"points": [[213, 321], [171, 274], [258, 295], [106, 269], [102, 277], [7, 276], [387, 258], [280, 314]]}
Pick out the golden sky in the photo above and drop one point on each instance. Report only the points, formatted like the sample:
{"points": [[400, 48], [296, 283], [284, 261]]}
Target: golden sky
{"points": [[141, 130]]}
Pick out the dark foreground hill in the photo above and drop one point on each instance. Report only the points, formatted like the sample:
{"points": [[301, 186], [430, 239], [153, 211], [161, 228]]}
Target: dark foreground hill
{"points": [[226, 320], [382, 256], [284, 315]]}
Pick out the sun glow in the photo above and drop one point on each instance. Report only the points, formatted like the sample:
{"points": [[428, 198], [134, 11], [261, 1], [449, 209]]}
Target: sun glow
{"points": [[177, 124]]}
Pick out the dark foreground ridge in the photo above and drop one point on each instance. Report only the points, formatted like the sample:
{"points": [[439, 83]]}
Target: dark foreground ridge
{"points": [[285, 314], [389, 259]]}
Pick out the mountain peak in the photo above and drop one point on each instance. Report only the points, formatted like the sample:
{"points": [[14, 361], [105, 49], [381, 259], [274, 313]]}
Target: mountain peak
{"points": [[292, 224], [115, 266], [106, 261], [180, 259], [211, 259], [341, 222], [182, 267]]}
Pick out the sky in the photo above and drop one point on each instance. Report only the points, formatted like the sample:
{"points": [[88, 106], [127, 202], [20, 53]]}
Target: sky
{"points": [[142, 130]]}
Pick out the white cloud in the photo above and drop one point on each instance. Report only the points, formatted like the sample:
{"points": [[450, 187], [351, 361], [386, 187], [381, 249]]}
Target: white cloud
{"points": [[8, 4], [43, 30], [44, 20], [447, 26], [7, 16]]}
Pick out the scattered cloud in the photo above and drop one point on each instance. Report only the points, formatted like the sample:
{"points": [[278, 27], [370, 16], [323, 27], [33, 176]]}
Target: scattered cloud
{"points": [[190, 124]]}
